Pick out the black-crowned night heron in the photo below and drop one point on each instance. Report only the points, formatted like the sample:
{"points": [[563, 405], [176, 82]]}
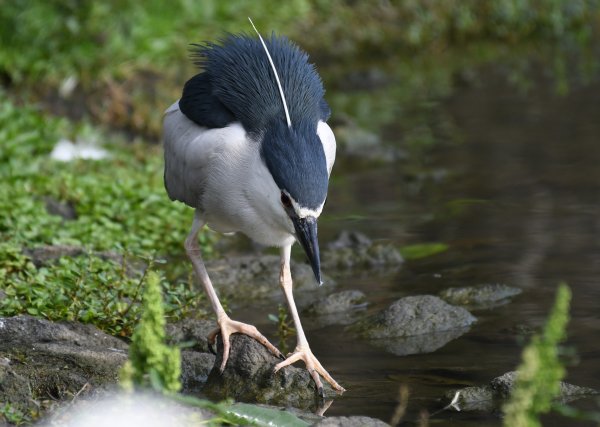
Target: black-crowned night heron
{"points": [[248, 147]]}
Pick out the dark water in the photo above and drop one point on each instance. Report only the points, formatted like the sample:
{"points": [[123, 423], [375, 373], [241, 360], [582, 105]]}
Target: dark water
{"points": [[515, 193]]}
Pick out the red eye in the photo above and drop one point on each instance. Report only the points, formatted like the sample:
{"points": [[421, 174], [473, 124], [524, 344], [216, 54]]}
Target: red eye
{"points": [[286, 200]]}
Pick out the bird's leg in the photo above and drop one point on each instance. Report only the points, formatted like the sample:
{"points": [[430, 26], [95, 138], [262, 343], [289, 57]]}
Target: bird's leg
{"points": [[302, 350], [226, 325]]}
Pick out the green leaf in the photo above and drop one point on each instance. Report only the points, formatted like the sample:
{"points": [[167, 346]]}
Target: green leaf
{"points": [[266, 417], [422, 250]]}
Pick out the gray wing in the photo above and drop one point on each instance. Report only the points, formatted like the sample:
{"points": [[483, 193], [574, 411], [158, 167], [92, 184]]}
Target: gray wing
{"points": [[189, 151]]}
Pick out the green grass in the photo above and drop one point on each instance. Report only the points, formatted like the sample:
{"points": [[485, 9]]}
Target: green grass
{"points": [[123, 220]]}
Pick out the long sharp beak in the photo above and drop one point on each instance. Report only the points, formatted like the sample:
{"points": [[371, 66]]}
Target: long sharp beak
{"points": [[306, 234]]}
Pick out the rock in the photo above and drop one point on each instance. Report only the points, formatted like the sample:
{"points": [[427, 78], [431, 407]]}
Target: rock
{"points": [[14, 389], [502, 387], [191, 333], [250, 277], [355, 250], [491, 396], [339, 302], [416, 324], [46, 360], [483, 296], [474, 399], [339, 308], [249, 377], [355, 421], [195, 368], [416, 315]]}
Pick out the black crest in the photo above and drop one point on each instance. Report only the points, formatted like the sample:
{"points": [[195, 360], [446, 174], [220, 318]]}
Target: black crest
{"points": [[238, 84]]}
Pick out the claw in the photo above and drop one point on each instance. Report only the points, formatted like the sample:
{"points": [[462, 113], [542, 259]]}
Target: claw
{"points": [[313, 366], [228, 327]]}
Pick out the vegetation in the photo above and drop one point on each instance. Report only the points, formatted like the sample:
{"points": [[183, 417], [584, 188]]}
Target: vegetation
{"points": [[122, 216], [540, 372], [151, 362], [154, 365], [129, 59]]}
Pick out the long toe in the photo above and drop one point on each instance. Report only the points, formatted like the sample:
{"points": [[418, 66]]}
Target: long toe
{"points": [[228, 327], [314, 367]]}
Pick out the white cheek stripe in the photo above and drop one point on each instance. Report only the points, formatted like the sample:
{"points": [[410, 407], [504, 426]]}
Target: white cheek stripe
{"points": [[304, 212]]}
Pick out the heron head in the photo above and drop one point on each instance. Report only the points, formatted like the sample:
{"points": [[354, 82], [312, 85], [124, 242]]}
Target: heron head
{"points": [[296, 160]]}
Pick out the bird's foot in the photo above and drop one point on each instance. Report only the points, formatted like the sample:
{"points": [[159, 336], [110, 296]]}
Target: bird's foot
{"points": [[313, 366], [228, 327]]}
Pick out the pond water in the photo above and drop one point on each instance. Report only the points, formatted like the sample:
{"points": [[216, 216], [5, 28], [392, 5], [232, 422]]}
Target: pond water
{"points": [[513, 189]]}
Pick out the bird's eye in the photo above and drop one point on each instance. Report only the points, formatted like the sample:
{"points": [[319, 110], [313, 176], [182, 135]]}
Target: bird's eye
{"points": [[286, 200]]}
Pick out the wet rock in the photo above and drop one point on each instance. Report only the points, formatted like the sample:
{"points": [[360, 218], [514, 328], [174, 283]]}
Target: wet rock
{"points": [[44, 360], [339, 308], [483, 296], [339, 302], [47, 360], [491, 396], [191, 333], [14, 389], [251, 277], [416, 324], [474, 399], [502, 387], [195, 368], [416, 315], [356, 421], [355, 250], [249, 377]]}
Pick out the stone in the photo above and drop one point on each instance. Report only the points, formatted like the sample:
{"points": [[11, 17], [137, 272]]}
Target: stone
{"points": [[191, 333], [249, 377], [355, 250], [482, 296], [416, 315], [340, 308], [490, 397], [354, 421]]}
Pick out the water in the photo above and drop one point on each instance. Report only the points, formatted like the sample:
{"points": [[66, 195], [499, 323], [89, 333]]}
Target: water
{"points": [[513, 188]]}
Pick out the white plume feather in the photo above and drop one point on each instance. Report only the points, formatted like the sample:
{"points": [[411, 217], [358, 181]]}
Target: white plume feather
{"points": [[285, 108]]}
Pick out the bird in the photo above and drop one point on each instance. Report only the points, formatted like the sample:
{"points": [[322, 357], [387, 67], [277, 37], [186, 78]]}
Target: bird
{"points": [[248, 146]]}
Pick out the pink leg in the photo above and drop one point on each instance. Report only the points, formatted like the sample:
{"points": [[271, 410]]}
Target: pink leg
{"points": [[226, 325], [302, 351]]}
